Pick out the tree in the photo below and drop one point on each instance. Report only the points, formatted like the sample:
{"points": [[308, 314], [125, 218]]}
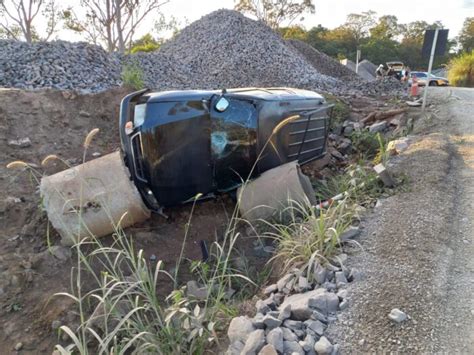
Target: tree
{"points": [[17, 18], [113, 22], [276, 12], [360, 24], [466, 36], [145, 44], [461, 70], [387, 27], [413, 34], [293, 32]]}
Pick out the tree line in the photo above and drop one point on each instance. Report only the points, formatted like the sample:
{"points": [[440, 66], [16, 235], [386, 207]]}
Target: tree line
{"points": [[381, 39], [114, 25]]}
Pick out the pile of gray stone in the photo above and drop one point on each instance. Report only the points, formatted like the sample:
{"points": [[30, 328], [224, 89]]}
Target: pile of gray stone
{"points": [[294, 316], [59, 65], [324, 63], [226, 49], [223, 49], [160, 71]]}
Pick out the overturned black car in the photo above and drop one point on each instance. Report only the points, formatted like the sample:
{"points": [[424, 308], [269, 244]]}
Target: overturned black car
{"points": [[178, 144]]}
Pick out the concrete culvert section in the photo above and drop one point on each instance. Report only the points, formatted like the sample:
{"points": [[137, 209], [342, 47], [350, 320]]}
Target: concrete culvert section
{"points": [[274, 191], [92, 199]]}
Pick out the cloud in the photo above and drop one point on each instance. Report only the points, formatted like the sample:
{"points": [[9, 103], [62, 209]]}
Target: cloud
{"points": [[467, 4]]}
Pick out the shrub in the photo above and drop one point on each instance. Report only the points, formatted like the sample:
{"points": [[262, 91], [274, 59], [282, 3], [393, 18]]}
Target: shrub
{"points": [[358, 183], [340, 111], [461, 70], [365, 143], [311, 234], [145, 44], [132, 76]]}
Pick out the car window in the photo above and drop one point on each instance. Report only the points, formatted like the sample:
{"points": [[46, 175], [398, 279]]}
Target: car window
{"points": [[421, 75]]}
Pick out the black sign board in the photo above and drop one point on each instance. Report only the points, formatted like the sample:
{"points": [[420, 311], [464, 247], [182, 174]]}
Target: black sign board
{"points": [[440, 43]]}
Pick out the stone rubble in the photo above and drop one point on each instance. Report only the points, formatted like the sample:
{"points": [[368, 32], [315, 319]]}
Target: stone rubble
{"points": [[293, 319]]}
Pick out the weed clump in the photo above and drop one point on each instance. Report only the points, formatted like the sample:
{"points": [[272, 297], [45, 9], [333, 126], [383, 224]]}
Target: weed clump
{"points": [[132, 76], [461, 70]]}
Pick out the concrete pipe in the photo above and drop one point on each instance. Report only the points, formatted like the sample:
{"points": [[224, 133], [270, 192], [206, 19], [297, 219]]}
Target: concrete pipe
{"points": [[90, 199], [275, 190]]}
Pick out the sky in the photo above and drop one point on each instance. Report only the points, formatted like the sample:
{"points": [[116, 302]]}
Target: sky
{"points": [[329, 13], [332, 13]]}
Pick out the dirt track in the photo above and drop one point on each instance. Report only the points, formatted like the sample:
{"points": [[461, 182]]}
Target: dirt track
{"points": [[418, 246]]}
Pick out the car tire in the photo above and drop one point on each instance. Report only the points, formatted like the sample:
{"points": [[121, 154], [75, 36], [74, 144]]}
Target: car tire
{"points": [[433, 83]]}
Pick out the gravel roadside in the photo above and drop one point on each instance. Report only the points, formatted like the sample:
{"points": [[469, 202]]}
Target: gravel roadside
{"points": [[418, 247]]}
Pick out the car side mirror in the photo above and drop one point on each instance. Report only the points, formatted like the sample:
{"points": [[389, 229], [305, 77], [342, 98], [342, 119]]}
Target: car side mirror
{"points": [[222, 104]]}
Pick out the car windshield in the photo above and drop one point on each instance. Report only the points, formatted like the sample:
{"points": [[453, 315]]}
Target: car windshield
{"points": [[419, 74]]}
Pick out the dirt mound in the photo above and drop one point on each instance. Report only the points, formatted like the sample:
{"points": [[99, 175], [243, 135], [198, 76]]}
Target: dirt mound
{"points": [[322, 62], [227, 49], [33, 266]]}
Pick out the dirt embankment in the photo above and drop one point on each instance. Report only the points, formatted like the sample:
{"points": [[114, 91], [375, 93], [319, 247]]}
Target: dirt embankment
{"points": [[418, 245], [57, 123]]}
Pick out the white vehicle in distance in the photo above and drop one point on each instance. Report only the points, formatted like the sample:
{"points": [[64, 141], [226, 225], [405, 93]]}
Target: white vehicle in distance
{"points": [[424, 77]]}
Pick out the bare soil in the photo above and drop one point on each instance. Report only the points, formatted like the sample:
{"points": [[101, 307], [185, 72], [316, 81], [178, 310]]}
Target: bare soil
{"points": [[418, 246], [57, 123]]}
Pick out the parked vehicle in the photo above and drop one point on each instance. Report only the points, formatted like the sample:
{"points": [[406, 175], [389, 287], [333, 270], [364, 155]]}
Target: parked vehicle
{"points": [[395, 68], [432, 80], [177, 144]]}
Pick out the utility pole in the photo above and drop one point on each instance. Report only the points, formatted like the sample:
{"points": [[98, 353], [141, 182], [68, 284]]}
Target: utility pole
{"points": [[433, 49], [357, 61]]}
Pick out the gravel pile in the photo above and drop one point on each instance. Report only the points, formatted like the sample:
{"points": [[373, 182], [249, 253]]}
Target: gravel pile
{"points": [[58, 64], [362, 72], [160, 72], [384, 86], [221, 50], [368, 66], [324, 63], [227, 49]]}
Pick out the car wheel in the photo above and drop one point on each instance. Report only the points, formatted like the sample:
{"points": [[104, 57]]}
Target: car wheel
{"points": [[433, 83]]}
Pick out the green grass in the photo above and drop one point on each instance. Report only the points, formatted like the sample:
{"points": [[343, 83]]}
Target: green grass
{"points": [[461, 70], [311, 235], [359, 183], [115, 291], [340, 111], [132, 76]]}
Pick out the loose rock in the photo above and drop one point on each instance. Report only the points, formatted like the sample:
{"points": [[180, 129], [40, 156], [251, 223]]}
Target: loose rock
{"points": [[239, 329], [255, 342], [397, 315], [268, 350], [275, 338], [292, 347], [323, 346]]}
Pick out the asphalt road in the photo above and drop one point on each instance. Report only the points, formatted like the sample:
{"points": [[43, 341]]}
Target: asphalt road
{"points": [[418, 246]]}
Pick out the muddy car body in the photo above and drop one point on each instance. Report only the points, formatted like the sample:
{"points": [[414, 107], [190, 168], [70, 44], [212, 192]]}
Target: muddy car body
{"points": [[178, 144]]}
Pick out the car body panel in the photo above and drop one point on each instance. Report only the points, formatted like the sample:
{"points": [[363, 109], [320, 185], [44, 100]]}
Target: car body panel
{"points": [[185, 146]]}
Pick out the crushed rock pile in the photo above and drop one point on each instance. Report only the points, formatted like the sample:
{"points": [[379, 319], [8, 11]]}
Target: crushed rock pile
{"points": [[363, 72], [324, 63], [160, 72], [368, 66], [227, 49], [221, 50], [59, 64]]}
